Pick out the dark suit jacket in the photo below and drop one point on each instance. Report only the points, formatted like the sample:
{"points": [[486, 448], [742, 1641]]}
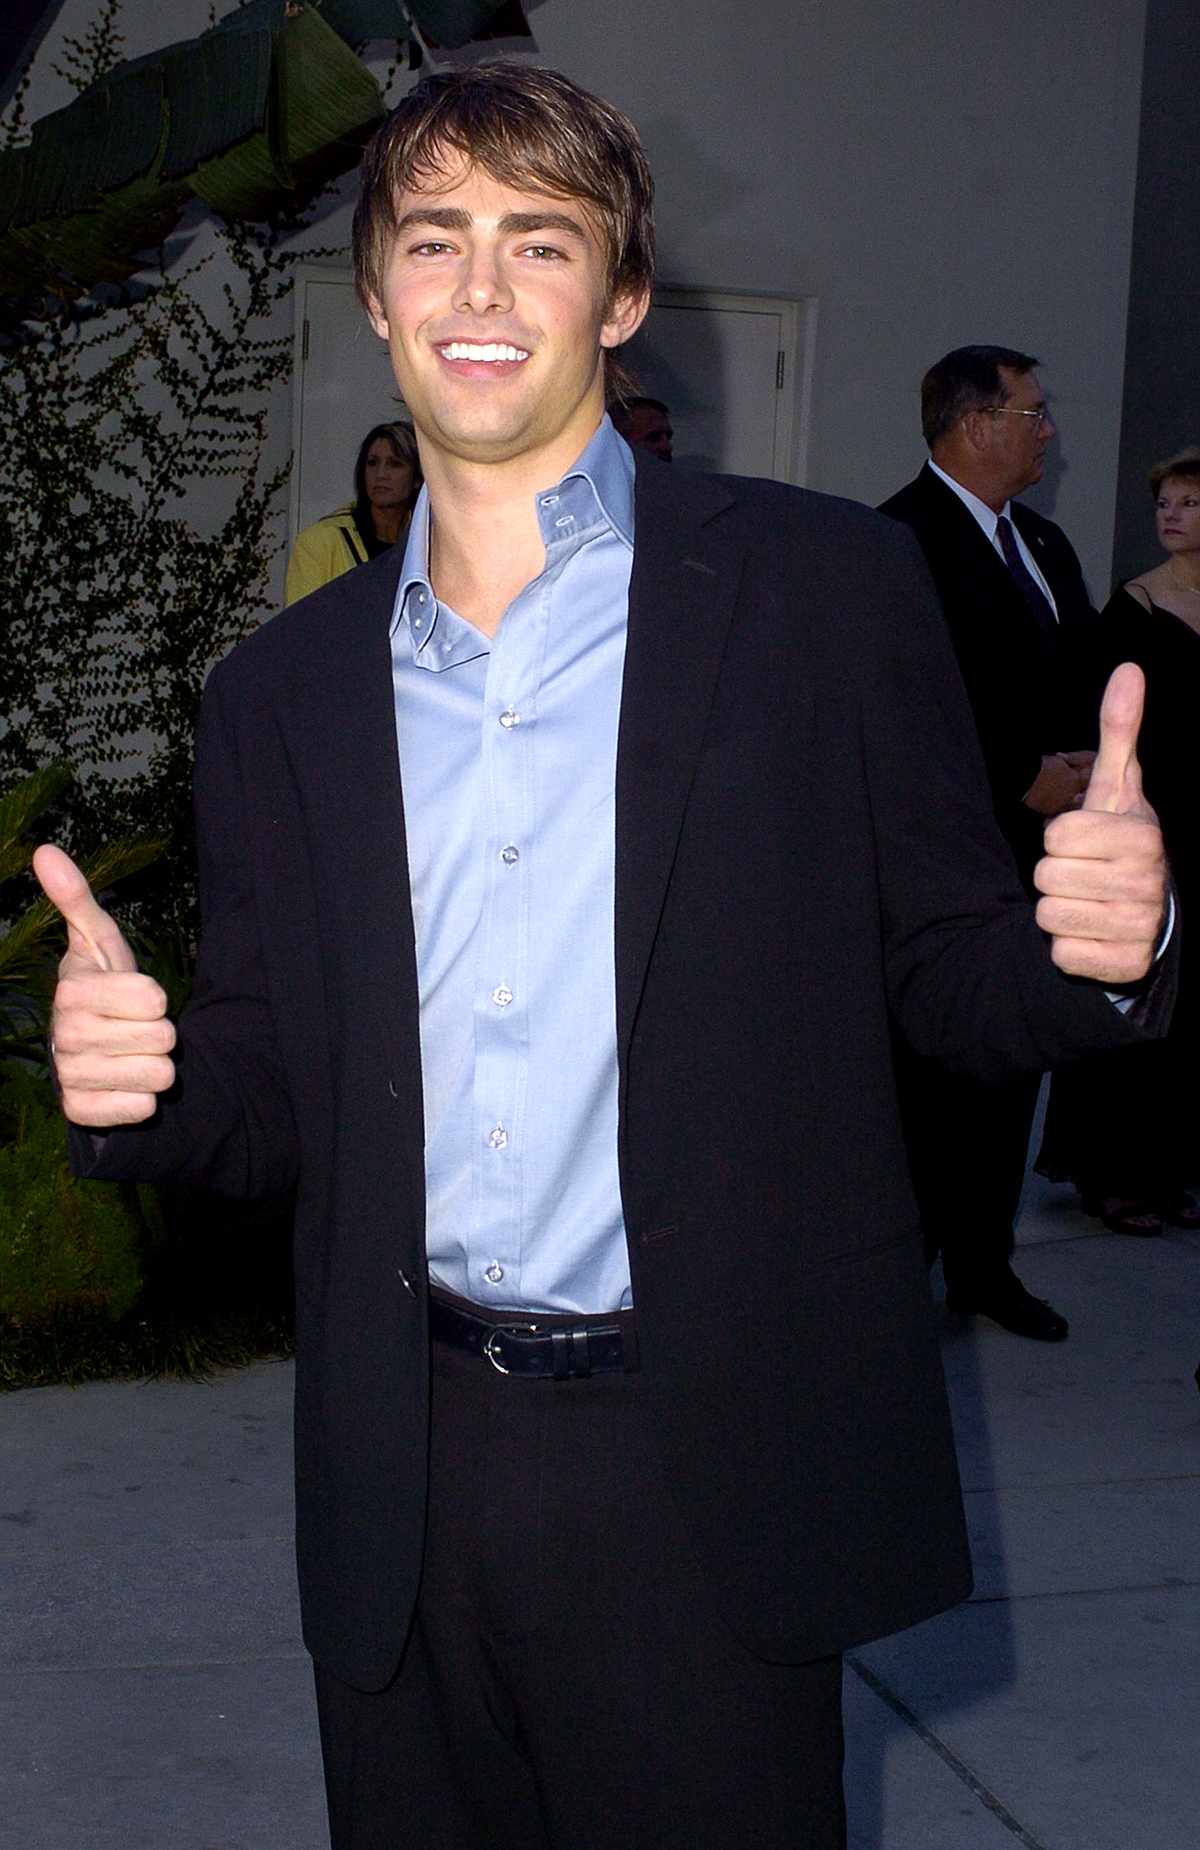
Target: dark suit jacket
{"points": [[804, 843], [1026, 694]]}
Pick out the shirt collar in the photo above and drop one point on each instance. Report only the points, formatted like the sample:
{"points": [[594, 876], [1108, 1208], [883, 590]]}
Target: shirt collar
{"points": [[985, 515], [597, 489], [607, 466]]}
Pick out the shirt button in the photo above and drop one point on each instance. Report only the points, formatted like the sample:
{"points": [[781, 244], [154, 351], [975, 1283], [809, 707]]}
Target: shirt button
{"points": [[549, 500], [502, 995], [494, 1273], [497, 1138], [509, 719], [510, 855]]}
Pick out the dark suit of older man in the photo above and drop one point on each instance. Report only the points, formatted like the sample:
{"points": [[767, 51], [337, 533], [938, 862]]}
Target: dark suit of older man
{"points": [[988, 430]]}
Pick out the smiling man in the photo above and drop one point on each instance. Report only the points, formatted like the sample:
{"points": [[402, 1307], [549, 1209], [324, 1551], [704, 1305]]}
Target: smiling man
{"points": [[497, 309], [560, 881]]}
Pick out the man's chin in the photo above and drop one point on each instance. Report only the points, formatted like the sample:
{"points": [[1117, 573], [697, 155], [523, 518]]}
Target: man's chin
{"points": [[493, 434], [485, 446]]}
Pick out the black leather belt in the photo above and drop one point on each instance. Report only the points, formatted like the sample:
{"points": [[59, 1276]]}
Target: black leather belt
{"points": [[563, 1352]]}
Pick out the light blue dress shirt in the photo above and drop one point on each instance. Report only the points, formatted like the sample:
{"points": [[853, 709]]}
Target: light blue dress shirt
{"points": [[508, 752]]}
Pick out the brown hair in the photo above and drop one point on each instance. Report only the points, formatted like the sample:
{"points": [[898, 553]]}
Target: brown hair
{"points": [[968, 379], [525, 127], [1185, 464]]}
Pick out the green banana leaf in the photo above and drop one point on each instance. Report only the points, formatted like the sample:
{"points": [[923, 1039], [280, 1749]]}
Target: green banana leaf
{"points": [[321, 107], [252, 117], [454, 23], [449, 23], [103, 244], [107, 137]]}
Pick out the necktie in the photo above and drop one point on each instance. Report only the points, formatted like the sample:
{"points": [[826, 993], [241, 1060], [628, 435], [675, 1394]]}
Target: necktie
{"points": [[1039, 605]]}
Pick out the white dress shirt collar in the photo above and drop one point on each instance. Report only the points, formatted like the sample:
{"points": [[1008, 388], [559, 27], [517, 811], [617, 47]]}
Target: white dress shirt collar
{"points": [[985, 515]]}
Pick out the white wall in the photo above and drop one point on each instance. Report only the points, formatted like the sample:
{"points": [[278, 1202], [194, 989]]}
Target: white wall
{"points": [[1162, 360], [935, 174]]}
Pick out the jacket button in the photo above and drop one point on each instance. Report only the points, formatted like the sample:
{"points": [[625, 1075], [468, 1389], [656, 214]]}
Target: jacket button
{"points": [[406, 1281]]}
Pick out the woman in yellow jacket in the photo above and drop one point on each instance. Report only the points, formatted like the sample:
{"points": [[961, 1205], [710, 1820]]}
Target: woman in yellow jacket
{"points": [[387, 480]]}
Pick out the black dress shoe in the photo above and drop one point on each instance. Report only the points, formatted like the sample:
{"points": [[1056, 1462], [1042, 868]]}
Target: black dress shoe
{"points": [[1007, 1303]]}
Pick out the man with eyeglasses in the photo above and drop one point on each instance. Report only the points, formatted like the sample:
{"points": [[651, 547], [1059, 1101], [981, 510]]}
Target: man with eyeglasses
{"points": [[1014, 599]]}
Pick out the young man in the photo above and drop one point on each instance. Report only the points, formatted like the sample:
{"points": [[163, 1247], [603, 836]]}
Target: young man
{"points": [[560, 880]]}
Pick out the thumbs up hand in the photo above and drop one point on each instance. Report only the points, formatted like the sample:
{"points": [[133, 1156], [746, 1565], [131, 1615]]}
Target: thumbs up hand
{"points": [[109, 1032], [1103, 878]]}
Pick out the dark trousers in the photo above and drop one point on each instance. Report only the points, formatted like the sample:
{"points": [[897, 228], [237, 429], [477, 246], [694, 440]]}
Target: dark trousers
{"points": [[1123, 1123], [967, 1146], [569, 1683]]}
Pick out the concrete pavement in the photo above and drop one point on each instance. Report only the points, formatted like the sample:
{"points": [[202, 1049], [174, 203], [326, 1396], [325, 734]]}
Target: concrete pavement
{"points": [[155, 1696]]}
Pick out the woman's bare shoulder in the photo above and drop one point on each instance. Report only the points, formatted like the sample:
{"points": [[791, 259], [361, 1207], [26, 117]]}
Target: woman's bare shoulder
{"points": [[1147, 587]]}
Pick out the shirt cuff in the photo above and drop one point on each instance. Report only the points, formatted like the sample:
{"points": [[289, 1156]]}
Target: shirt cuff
{"points": [[1123, 1001]]}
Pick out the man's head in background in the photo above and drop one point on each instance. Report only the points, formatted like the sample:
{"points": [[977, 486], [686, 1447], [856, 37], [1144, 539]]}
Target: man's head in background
{"points": [[645, 423], [985, 420]]}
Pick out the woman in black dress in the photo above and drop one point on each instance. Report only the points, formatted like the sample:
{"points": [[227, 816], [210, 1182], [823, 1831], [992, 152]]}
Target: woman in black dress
{"points": [[1122, 1127]]}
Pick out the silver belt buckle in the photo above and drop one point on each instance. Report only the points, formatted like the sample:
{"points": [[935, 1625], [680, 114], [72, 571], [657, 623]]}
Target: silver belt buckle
{"points": [[505, 1329], [491, 1355]]}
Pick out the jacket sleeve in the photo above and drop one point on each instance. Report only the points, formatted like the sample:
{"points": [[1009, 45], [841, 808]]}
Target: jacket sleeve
{"points": [[227, 1123], [970, 978]]}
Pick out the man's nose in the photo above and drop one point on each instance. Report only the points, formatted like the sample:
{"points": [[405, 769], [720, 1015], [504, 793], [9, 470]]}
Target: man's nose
{"points": [[483, 284]]}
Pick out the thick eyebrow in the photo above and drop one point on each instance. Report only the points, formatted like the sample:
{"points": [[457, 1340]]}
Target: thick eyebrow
{"points": [[454, 218]]}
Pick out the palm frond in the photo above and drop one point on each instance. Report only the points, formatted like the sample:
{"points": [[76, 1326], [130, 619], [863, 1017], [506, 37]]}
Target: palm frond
{"points": [[19, 809], [23, 948]]}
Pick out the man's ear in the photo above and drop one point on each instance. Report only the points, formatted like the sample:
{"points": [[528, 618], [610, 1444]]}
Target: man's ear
{"points": [[376, 316], [626, 313], [975, 430]]}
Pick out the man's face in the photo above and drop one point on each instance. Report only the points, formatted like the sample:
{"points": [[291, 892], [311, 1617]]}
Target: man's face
{"points": [[494, 306], [1019, 444], [650, 430]]}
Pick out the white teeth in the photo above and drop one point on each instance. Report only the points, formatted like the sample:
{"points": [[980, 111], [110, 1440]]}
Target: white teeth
{"points": [[470, 350]]}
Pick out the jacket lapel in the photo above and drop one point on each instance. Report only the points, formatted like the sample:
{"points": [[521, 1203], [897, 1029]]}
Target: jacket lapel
{"points": [[681, 598], [953, 518], [1034, 534], [343, 721]]}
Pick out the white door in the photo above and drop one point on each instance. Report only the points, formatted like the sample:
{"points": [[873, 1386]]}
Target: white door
{"points": [[343, 384], [736, 372]]}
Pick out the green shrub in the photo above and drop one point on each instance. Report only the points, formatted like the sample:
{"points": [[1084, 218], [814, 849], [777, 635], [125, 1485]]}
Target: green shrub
{"points": [[65, 1246]]}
